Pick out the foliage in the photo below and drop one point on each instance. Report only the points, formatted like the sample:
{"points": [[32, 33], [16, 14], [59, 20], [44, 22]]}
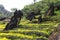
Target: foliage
{"points": [[42, 5], [33, 31]]}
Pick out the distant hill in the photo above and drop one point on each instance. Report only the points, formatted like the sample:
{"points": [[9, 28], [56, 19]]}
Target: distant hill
{"points": [[4, 12]]}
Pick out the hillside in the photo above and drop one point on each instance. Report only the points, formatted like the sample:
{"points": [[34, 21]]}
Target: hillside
{"points": [[28, 30]]}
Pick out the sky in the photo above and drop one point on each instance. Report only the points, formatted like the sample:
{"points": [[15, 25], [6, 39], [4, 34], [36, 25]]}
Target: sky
{"points": [[19, 4]]}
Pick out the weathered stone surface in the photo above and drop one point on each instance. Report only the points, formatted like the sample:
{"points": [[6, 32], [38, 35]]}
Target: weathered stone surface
{"points": [[14, 20]]}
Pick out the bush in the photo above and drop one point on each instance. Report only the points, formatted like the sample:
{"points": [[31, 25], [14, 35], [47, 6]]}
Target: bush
{"points": [[55, 18]]}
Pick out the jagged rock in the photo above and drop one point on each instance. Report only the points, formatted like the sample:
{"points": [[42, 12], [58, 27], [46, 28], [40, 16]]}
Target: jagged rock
{"points": [[14, 20]]}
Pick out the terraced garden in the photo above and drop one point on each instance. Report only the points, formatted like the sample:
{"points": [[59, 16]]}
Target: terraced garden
{"points": [[28, 31]]}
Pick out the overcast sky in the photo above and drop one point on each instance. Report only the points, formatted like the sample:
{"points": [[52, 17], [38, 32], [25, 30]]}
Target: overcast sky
{"points": [[19, 4]]}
